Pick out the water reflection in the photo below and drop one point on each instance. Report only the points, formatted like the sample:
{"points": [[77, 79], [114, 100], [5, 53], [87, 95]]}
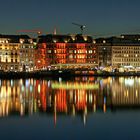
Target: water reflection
{"points": [[80, 96]]}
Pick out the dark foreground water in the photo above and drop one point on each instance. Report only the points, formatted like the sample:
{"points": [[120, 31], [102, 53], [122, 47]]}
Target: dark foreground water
{"points": [[78, 108]]}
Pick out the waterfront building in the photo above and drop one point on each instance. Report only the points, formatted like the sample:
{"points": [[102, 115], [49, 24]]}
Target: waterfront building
{"points": [[13, 50], [119, 51], [126, 52], [27, 54], [104, 52], [66, 51], [9, 53]]}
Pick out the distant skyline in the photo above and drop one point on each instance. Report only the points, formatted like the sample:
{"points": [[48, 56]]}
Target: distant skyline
{"points": [[101, 17]]}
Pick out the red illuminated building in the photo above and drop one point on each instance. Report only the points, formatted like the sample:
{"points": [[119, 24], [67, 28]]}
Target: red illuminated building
{"points": [[66, 51]]}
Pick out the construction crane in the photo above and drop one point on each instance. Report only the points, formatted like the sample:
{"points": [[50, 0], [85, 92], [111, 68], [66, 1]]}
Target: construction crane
{"points": [[81, 27], [38, 32]]}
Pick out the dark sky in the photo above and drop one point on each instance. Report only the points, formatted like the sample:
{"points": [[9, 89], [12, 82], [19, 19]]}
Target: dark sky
{"points": [[101, 17]]}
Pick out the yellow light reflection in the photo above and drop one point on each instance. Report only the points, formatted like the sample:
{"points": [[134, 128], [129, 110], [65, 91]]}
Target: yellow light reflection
{"points": [[57, 85]]}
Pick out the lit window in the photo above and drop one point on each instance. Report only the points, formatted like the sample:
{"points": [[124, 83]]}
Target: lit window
{"points": [[21, 41], [70, 51], [90, 51], [49, 51], [71, 56], [94, 42], [73, 38], [54, 41], [85, 38]]}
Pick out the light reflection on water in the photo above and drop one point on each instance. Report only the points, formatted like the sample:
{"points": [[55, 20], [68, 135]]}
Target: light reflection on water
{"points": [[81, 100], [87, 94]]}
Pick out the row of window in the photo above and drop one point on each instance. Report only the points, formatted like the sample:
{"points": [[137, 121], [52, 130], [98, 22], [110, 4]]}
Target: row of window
{"points": [[15, 61], [127, 64], [9, 60], [71, 56], [27, 61], [9, 67], [70, 47], [27, 51], [126, 48], [122, 52], [27, 55], [27, 47], [10, 54], [127, 60], [72, 51], [11, 45], [126, 55]]}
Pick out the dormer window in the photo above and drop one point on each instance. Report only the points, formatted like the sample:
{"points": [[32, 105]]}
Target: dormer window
{"points": [[21, 41]]}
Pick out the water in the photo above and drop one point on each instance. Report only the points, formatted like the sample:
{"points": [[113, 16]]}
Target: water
{"points": [[78, 108]]}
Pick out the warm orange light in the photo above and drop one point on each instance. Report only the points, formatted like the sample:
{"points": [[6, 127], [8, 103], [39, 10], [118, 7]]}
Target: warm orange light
{"points": [[61, 102]]}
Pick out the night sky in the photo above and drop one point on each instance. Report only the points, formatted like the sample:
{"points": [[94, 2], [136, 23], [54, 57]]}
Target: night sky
{"points": [[101, 17]]}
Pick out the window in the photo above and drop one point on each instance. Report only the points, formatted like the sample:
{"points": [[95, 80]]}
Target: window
{"points": [[70, 51], [71, 56], [16, 67], [90, 51], [49, 51]]}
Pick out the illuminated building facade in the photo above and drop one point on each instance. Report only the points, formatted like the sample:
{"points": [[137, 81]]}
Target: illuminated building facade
{"points": [[126, 55], [125, 50], [66, 51], [119, 51], [13, 50], [9, 53], [104, 52], [27, 55], [41, 61]]}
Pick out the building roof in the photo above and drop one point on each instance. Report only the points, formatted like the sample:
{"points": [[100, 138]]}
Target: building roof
{"points": [[65, 39], [119, 41], [131, 36], [15, 38]]}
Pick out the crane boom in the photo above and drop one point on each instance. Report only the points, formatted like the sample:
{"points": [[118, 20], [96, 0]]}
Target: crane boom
{"points": [[81, 26]]}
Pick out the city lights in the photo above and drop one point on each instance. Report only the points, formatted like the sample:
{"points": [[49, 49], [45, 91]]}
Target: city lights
{"points": [[76, 54]]}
